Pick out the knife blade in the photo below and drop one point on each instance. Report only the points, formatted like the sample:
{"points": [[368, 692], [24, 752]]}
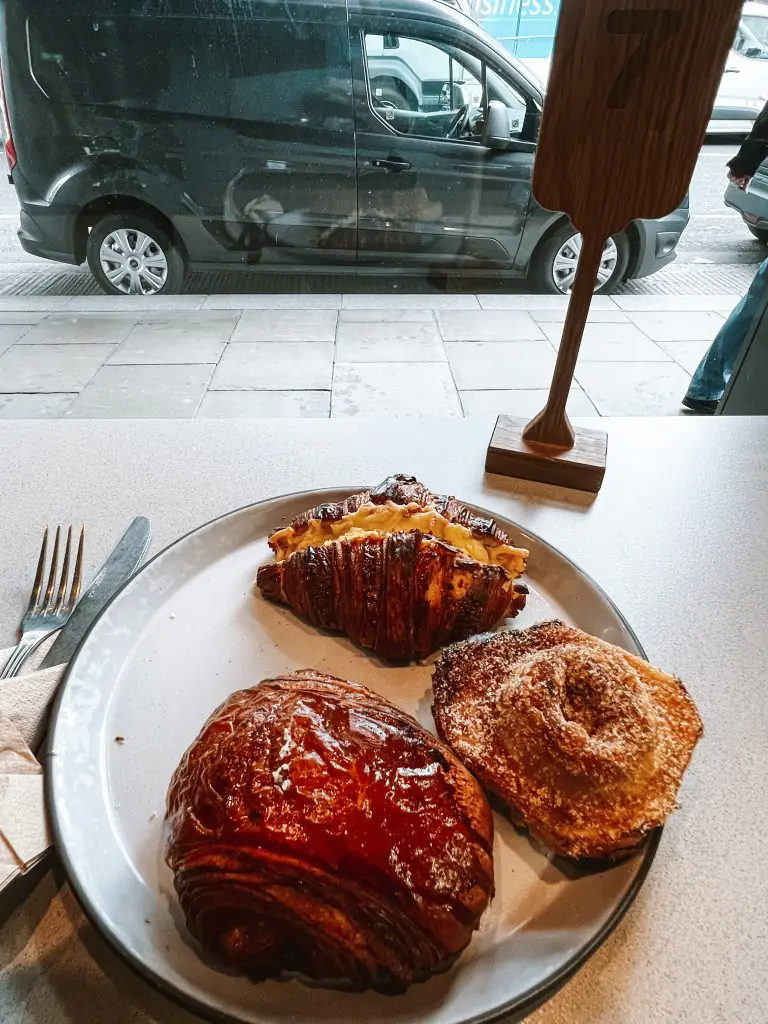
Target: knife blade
{"points": [[118, 568]]}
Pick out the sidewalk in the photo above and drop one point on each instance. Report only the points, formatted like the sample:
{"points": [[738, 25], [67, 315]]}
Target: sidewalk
{"points": [[343, 355]]}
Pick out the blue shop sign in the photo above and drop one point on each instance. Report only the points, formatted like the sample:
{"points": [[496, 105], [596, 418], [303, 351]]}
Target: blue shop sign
{"points": [[524, 27]]}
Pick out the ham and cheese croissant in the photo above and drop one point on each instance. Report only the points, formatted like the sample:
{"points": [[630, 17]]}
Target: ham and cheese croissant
{"points": [[401, 571]]}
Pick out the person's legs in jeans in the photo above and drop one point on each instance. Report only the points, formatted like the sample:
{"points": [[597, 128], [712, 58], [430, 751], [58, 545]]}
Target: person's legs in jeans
{"points": [[712, 373]]}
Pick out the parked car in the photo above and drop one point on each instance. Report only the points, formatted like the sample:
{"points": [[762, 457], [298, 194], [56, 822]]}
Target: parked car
{"points": [[159, 139], [752, 204], [744, 86]]}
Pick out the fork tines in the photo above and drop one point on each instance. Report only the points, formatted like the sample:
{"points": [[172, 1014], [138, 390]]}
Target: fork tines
{"points": [[62, 602]]}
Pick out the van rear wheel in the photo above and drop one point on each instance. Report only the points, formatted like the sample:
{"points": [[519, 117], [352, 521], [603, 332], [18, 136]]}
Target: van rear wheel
{"points": [[133, 255]]}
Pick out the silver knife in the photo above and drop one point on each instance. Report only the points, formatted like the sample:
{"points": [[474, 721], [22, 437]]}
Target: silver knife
{"points": [[118, 568]]}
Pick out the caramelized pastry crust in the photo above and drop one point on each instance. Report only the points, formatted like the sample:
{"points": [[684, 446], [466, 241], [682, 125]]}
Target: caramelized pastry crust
{"points": [[313, 827], [585, 743], [399, 570], [405, 490]]}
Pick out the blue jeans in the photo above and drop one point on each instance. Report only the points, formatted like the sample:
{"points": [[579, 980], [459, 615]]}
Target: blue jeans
{"points": [[715, 368]]}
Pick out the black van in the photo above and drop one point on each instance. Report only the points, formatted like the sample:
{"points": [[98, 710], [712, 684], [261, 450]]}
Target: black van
{"points": [[152, 136]]}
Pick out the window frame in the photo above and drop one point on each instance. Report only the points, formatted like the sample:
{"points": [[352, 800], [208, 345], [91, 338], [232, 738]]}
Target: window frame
{"points": [[369, 95], [358, 32]]}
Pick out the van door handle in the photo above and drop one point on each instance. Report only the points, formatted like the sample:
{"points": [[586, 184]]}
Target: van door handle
{"points": [[392, 163]]}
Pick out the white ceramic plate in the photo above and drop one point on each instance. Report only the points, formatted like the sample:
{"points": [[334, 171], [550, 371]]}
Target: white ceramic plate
{"points": [[173, 643]]}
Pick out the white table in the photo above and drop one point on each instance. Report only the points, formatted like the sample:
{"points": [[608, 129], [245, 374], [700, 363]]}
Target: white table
{"points": [[678, 537]]}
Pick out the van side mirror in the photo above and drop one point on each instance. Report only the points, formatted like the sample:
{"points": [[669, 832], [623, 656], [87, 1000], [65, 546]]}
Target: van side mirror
{"points": [[496, 127], [391, 42]]}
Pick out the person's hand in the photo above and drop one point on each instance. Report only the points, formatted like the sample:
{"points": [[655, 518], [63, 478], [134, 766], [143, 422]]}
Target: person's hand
{"points": [[739, 180]]}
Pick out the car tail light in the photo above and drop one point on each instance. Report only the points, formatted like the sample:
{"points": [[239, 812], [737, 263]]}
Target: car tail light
{"points": [[10, 148]]}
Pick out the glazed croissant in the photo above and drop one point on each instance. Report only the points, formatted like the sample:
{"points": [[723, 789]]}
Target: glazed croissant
{"points": [[585, 743], [401, 571], [313, 827]]}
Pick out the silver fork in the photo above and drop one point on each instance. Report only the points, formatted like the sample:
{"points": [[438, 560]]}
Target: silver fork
{"points": [[48, 614]]}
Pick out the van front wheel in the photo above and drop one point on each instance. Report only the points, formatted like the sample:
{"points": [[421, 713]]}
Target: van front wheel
{"points": [[553, 266], [133, 255]]}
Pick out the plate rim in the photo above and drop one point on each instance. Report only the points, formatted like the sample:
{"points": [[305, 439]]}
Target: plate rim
{"points": [[522, 1004]]}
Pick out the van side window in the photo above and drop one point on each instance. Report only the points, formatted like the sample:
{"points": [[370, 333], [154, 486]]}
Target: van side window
{"points": [[255, 70], [423, 88], [172, 64], [291, 72]]}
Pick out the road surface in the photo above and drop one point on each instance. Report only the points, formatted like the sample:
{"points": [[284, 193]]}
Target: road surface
{"points": [[715, 235], [715, 232]]}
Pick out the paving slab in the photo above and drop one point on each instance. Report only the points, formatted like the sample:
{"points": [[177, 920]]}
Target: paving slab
{"points": [[394, 389], [196, 339], [521, 402], [673, 303], [21, 317], [11, 333], [488, 325], [267, 366], [386, 316], [407, 301], [530, 302], [611, 343], [52, 368], [687, 354], [33, 303], [634, 389], [672, 326], [266, 405], [285, 325], [596, 316], [131, 303], [275, 301], [81, 329], [34, 407], [509, 365], [389, 343], [143, 392]]}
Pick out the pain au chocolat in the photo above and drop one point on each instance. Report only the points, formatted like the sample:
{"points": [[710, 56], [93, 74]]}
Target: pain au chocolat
{"points": [[585, 743], [398, 569], [313, 827]]}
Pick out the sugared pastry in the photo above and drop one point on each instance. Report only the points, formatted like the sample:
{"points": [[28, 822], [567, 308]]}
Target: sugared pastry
{"points": [[585, 743]]}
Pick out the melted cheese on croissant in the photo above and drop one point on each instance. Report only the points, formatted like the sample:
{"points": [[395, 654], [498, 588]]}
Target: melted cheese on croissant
{"points": [[391, 518]]}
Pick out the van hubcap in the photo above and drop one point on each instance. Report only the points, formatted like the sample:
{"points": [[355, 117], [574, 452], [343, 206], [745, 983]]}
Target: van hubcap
{"points": [[567, 258], [133, 262]]}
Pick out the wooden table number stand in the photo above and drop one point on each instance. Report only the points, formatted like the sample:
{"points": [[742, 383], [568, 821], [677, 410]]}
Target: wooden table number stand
{"points": [[630, 92]]}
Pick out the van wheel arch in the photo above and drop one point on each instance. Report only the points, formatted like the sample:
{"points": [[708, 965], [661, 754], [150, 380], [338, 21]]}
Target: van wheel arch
{"points": [[108, 205], [130, 252]]}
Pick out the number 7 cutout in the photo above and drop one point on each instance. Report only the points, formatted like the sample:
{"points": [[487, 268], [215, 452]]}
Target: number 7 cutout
{"points": [[630, 93]]}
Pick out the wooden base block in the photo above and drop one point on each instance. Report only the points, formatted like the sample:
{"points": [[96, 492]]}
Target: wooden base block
{"points": [[582, 467]]}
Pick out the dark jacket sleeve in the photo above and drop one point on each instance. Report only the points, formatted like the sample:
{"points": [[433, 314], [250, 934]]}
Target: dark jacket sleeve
{"points": [[754, 149]]}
